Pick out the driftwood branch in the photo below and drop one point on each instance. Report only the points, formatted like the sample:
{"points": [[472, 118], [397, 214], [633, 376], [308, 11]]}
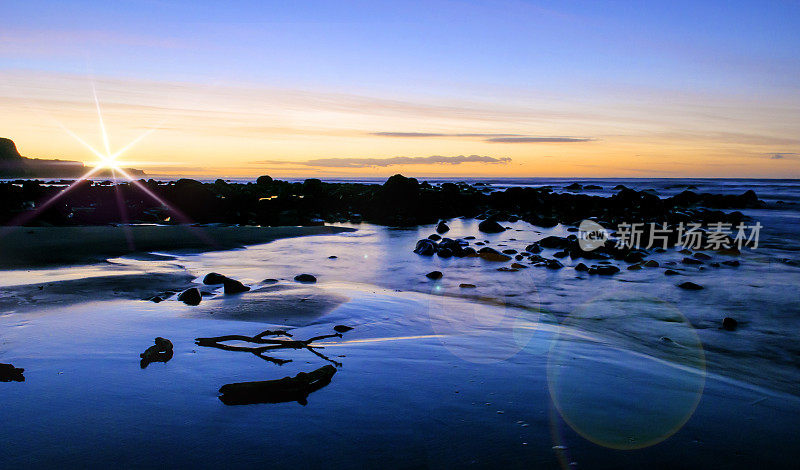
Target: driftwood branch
{"points": [[270, 344]]}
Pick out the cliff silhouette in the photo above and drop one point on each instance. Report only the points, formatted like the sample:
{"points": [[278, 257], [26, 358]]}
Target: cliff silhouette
{"points": [[14, 165]]}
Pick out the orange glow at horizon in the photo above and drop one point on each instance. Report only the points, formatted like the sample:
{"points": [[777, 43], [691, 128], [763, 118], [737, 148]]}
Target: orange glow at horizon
{"points": [[231, 131]]}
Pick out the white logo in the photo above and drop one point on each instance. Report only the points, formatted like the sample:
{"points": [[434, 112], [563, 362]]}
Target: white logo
{"points": [[591, 235]]}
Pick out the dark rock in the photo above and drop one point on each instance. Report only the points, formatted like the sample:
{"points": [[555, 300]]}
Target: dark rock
{"points": [[467, 286], [214, 279], [671, 272], [507, 269], [444, 252], [442, 228], [714, 265], [9, 373], [332, 257], [305, 278], [651, 263], [561, 254], [604, 269], [510, 251], [232, 286], [732, 263], [592, 187], [554, 264], [691, 261], [580, 267], [434, 275], [469, 238], [729, 324], [342, 328], [490, 226], [190, 296], [533, 248], [574, 187], [702, 256], [161, 351], [518, 266], [690, 286], [155, 299], [552, 242], [269, 281], [425, 247], [635, 267], [519, 257], [434, 237]]}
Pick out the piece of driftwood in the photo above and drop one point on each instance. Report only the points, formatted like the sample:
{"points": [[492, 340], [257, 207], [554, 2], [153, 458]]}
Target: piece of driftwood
{"points": [[287, 389], [271, 344], [9, 373], [161, 351]]}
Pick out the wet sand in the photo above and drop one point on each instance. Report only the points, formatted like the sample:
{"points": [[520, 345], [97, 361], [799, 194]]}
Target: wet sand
{"points": [[27, 247]]}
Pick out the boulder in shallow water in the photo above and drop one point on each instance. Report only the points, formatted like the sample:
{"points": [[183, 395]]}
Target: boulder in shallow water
{"points": [[729, 324], [690, 286], [490, 225], [213, 279], [465, 285], [580, 267], [442, 227], [671, 272], [305, 278], [651, 263], [552, 242], [342, 328], [232, 286], [434, 237], [191, 296], [604, 269], [425, 247], [434, 275]]}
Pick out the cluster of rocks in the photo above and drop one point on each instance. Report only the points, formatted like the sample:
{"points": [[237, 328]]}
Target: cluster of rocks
{"points": [[193, 295], [400, 201]]}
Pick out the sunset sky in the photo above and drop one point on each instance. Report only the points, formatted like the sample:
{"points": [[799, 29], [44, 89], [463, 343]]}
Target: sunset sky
{"points": [[430, 88]]}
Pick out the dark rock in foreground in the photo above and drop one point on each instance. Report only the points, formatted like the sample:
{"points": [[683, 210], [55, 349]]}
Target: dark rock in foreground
{"points": [[161, 351], [342, 328], [9, 373], [191, 296], [296, 388], [442, 228], [434, 275]]}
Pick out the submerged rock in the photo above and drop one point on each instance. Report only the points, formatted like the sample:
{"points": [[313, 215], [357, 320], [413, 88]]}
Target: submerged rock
{"points": [[305, 278], [690, 286], [191, 296], [342, 328], [671, 272], [729, 324]]}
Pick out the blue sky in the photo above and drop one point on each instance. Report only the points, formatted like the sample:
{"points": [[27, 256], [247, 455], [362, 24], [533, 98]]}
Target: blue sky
{"points": [[496, 53]]}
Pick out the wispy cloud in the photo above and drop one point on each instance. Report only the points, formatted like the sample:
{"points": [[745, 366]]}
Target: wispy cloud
{"points": [[784, 156], [391, 161], [436, 134], [537, 140], [497, 138]]}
